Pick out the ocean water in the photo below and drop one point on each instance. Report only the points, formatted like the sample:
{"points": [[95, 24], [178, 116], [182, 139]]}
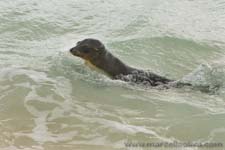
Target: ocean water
{"points": [[49, 100]]}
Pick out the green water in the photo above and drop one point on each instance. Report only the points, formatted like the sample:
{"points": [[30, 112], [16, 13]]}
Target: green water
{"points": [[49, 100]]}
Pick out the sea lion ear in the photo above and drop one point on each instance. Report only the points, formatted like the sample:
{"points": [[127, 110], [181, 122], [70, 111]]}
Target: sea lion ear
{"points": [[99, 48], [96, 49]]}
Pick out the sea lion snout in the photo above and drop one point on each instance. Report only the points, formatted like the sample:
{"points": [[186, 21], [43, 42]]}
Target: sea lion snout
{"points": [[74, 51], [71, 50]]}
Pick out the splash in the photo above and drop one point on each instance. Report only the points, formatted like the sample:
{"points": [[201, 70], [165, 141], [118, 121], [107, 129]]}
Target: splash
{"points": [[207, 78]]}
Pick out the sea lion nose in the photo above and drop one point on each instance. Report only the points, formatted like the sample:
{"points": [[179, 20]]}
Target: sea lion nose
{"points": [[71, 50], [75, 51]]}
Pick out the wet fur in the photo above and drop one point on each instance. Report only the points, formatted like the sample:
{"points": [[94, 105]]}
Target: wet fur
{"points": [[96, 55]]}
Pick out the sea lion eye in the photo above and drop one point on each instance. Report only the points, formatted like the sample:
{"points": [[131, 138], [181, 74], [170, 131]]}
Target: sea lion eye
{"points": [[86, 49], [78, 42]]}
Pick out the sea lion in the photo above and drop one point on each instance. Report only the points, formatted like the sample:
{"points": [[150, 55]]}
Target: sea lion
{"points": [[97, 56]]}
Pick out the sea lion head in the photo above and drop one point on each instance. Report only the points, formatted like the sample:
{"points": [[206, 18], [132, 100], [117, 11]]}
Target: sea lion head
{"points": [[88, 49]]}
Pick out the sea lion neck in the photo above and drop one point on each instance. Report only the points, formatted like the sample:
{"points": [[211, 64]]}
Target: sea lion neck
{"points": [[111, 65]]}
